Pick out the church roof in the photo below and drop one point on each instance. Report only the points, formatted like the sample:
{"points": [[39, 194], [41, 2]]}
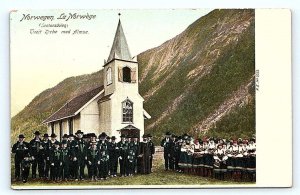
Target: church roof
{"points": [[119, 49], [74, 105]]}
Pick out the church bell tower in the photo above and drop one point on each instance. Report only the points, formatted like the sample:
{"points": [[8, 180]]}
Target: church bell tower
{"points": [[120, 69], [121, 108]]}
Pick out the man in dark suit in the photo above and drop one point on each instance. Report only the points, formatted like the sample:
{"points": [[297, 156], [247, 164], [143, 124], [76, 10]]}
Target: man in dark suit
{"points": [[79, 154], [20, 149], [113, 153], [152, 149], [36, 151], [166, 144]]}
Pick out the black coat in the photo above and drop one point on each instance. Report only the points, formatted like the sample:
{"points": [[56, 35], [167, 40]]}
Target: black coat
{"points": [[20, 150]]}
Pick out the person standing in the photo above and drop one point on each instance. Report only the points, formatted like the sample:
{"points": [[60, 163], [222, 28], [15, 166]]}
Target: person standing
{"points": [[36, 152], [73, 164], [25, 164], [113, 152], [177, 151], [55, 162], [45, 153], [20, 149], [64, 161], [103, 165], [152, 150], [123, 149], [166, 143], [131, 162], [79, 155], [144, 155], [93, 157]]}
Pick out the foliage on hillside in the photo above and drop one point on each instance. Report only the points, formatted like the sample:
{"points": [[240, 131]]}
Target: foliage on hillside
{"points": [[203, 95]]}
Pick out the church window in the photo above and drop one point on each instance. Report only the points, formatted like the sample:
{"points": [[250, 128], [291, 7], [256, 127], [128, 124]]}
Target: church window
{"points": [[126, 74], [108, 76], [127, 110]]}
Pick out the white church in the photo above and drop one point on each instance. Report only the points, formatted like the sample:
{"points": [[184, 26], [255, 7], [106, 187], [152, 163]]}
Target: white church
{"points": [[115, 108]]}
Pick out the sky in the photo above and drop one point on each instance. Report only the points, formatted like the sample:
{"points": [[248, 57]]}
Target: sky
{"points": [[40, 61]]}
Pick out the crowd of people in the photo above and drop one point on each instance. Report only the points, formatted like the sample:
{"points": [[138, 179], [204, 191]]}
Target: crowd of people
{"points": [[103, 157], [233, 159], [67, 160]]}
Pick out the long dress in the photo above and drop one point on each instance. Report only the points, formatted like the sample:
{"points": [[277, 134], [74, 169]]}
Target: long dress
{"points": [[144, 156]]}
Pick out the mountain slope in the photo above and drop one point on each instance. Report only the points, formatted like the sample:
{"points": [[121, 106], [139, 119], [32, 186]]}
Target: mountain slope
{"points": [[191, 76], [201, 81]]}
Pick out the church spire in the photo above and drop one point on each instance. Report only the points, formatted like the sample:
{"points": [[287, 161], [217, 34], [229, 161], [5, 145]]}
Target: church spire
{"points": [[119, 49]]}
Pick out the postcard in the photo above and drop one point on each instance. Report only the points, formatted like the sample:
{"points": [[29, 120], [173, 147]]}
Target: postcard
{"points": [[181, 98]]}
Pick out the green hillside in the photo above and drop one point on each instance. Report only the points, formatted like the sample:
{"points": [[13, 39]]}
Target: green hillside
{"points": [[194, 98], [200, 82]]}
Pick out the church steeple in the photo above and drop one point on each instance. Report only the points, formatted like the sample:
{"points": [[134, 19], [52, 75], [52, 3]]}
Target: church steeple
{"points": [[119, 49]]}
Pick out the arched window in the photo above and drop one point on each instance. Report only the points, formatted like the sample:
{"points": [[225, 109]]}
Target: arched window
{"points": [[126, 74], [127, 110], [108, 76]]}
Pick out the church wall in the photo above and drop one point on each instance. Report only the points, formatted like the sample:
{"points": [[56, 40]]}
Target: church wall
{"points": [[89, 118], [65, 126], [76, 123], [105, 117], [56, 129]]}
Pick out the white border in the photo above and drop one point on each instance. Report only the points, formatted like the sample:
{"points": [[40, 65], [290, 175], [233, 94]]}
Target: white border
{"points": [[6, 5]]}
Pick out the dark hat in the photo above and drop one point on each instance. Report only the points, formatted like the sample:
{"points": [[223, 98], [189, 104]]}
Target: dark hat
{"points": [[65, 136], [107, 137], [53, 135], [149, 135], [103, 134], [113, 137], [252, 139], [21, 136], [78, 132], [122, 135], [93, 135], [168, 133], [46, 135], [36, 133], [144, 136]]}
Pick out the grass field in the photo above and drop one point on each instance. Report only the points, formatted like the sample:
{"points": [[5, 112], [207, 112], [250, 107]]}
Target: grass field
{"points": [[158, 177]]}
